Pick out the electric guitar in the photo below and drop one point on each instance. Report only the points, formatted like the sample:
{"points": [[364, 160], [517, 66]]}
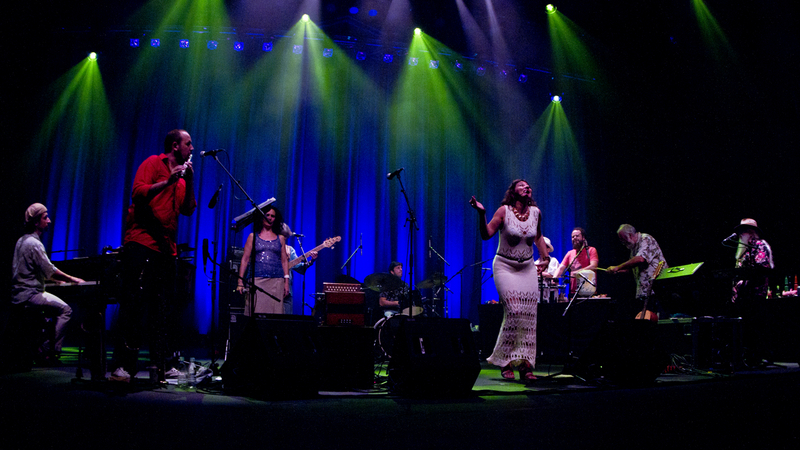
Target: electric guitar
{"points": [[646, 314]]}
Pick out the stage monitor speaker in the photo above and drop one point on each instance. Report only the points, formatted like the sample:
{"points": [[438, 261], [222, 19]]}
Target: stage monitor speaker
{"points": [[626, 353], [274, 358], [434, 357]]}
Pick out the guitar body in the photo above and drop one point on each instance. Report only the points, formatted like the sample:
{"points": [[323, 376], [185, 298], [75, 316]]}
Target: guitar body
{"points": [[647, 315]]}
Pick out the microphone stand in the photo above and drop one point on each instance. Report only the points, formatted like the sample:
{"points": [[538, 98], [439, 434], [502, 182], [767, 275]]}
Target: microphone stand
{"points": [[360, 246], [305, 261], [566, 369], [411, 221], [260, 215], [460, 271]]}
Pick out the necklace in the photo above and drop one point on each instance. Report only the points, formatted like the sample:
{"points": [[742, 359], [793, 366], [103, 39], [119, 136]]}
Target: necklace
{"points": [[521, 217]]}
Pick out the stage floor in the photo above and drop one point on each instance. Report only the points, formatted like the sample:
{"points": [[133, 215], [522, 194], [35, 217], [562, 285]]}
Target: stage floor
{"points": [[747, 409]]}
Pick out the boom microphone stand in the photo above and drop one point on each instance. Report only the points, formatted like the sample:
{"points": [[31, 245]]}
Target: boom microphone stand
{"points": [[412, 226]]}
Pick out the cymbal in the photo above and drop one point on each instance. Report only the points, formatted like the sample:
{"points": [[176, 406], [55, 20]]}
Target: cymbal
{"points": [[382, 282], [436, 280]]}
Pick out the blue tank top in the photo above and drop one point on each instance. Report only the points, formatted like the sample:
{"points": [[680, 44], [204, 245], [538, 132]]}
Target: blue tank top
{"points": [[268, 258]]}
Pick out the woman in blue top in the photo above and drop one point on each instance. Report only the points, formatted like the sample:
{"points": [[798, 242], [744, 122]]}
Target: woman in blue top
{"points": [[271, 264]]}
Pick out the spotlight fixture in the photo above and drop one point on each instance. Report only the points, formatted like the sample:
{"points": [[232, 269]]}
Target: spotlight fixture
{"points": [[267, 46], [433, 64], [373, 12], [413, 61], [306, 18], [522, 78], [134, 42], [184, 43], [360, 56], [297, 49], [387, 57], [93, 56], [212, 45], [417, 32], [354, 10], [481, 71], [238, 46], [458, 65], [556, 99], [155, 42], [550, 9], [327, 52]]}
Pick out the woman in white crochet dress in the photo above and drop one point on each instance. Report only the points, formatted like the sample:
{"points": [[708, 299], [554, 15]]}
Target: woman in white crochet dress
{"points": [[516, 276]]}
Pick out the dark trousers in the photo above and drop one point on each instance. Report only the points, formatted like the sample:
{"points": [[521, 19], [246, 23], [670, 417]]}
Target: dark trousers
{"points": [[148, 279]]}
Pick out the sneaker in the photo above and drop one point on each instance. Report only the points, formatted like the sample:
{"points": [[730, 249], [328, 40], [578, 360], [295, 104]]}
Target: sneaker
{"points": [[120, 375]]}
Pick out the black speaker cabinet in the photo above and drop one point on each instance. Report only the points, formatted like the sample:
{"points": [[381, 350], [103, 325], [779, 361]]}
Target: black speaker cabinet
{"points": [[347, 358], [624, 353], [274, 358], [434, 357]]}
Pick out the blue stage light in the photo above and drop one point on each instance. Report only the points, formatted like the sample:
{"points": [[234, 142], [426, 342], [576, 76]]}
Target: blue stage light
{"points": [[155, 42], [413, 61], [184, 43], [433, 64], [361, 56], [327, 52], [297, 49], [387, 57], [267, 47], [238, 46], [212, 45], [134, 42], [481, 71], [523, 78]]}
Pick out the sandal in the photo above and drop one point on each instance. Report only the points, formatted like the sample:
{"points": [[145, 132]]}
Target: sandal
{"points": [[507, 372], [526, 371]]}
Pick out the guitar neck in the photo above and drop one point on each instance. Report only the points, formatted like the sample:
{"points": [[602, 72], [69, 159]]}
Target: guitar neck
{"points": [[303, 257]]}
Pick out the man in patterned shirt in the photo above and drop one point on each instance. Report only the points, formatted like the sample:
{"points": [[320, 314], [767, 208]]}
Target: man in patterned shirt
{"points": [[645, 258]]}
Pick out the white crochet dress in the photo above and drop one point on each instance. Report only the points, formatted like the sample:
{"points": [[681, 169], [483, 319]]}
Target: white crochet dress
{"points": [[518, 287]]}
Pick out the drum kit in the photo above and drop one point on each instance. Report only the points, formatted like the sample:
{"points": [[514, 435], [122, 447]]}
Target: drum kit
{"points": [[388, 326]]}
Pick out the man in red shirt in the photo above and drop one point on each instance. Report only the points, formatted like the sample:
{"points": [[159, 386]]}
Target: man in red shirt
{"points": [[162, 190], [581, 257]]}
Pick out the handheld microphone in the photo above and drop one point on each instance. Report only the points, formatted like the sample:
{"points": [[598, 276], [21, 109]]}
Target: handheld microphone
{"points": [[211, 152], [732, 237], [205, 254], [297, 235], [215, 197], [389, 176]]}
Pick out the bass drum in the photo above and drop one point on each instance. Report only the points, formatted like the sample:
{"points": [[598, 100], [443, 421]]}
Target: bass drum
{"points": [[387, 330]]}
